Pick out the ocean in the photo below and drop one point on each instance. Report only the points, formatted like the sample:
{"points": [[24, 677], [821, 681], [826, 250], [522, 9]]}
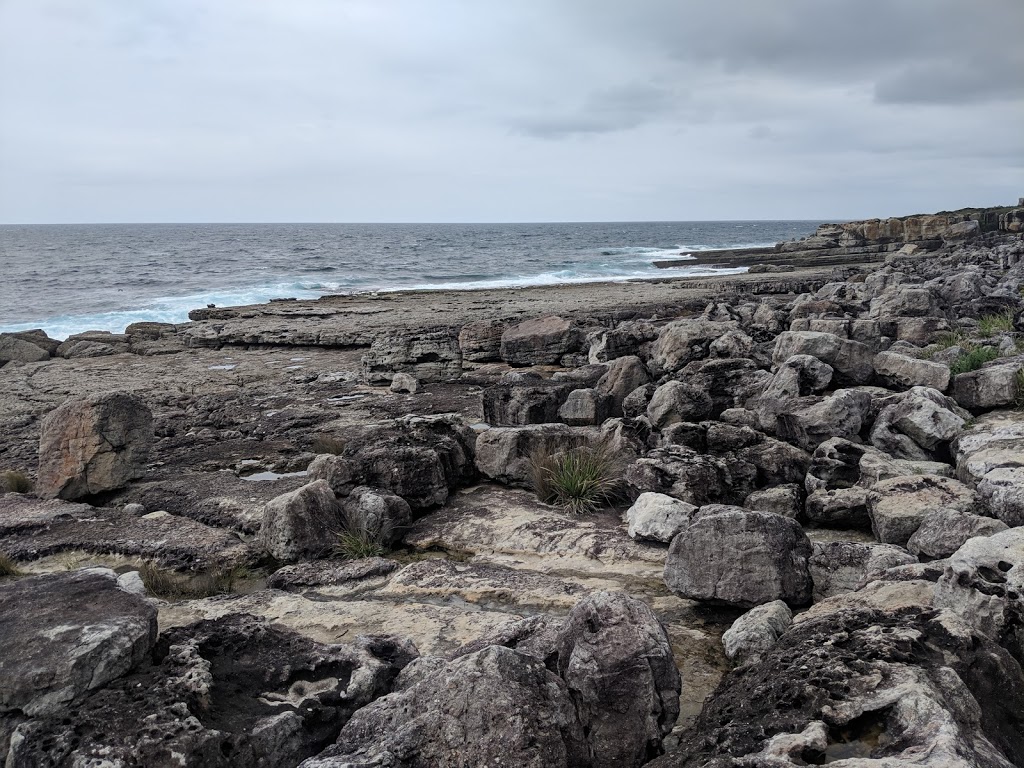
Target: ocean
{"points": [[67, 279]]}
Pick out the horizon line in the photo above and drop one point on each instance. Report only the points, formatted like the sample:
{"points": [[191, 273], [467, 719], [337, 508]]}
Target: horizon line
{"points": [[415, 223]]}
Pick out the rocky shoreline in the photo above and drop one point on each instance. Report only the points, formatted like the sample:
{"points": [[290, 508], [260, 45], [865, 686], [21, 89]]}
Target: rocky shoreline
{"points": [[814, 553]]}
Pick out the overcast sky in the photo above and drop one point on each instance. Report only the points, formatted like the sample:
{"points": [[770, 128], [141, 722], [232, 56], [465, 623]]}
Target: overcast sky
{"points": [[530, 110]]}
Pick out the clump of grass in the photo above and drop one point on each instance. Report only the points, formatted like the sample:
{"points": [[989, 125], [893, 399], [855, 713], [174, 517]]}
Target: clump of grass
{"points": [[989, 325], [952, 339], [327, 444], [171, 585], [358, 540], [1018, 398], [973, 360], [7, 566], [15, 482], [579, 479]]}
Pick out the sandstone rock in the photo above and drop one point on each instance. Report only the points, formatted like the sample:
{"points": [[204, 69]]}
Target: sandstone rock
{"points": [[992, 386], [690, 476], [905, 301], [232, 692], [79, 348], [539, 342], [903, 372], [943, 531], [301, 524], [732, 344], [404, 382], [503, 453], [740, 558], [964, 230], [428, 356], [676, 401], [785, 500], [684, 340], [898, 506], [616, 660], [383, 516], [807, 422], [838, 567], [480, 341], [990, 457], [493, 707], [756, 631], [624, 375], [585, 407], [66, 634], [626, 339], [13, 349], [850, 360], [92, 445], [658, 517], [517, 404], [918, 425]]}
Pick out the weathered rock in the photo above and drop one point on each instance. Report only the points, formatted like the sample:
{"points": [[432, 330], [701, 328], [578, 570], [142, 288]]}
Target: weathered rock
{"points": [[835, 463], [943, 531], [232, 692], [690, 476], [538, 401], [838, 567], [684, 340], [404, 382], [66, 634], [319, 573], [983, 583], [301, 524], [495, 707], [838, 508], [995, 385], [729, 382], [14, 349], [625, 339], [480, 341], [383, 516], [624, 375], [756, 631], [635, 403], [898, 506], [807, 422], [918, 425], [905, 301], [539, 342], [585, 407], [732, 344], [740, 558], [78, 348], [616, 660], [903, 372], [676, 401], [92, 445], [990, 457], [428, 356], [504, 453], [658, 517], [850, 360], [785, 500]]}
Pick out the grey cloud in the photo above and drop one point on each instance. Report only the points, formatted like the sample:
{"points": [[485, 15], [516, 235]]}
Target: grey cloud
{"points": [[613, 109]]}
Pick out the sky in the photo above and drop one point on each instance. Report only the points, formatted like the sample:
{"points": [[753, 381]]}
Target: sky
{"points": [[533, 110]]}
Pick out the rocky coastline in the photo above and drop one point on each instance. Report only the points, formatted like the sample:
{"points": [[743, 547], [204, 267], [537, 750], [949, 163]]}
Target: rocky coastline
{"points": [[312, 532]]}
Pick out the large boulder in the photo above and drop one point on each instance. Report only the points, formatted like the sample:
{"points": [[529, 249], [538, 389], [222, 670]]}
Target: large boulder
{"points": [[898, 506], [838, 567], [617, 662], [903, 372], [494, 707], [807, 422], [917, 425], [684, 340], [504, 453], [990, 457], [92, 445], [729, 382], [302, 524], [67, 634], [428, 356], [756, 631], [382, 515], [905, 301], [623, 376], [737, 557], [943, 531], [480, 342], [15, 349], [850, 360], [690, 476], [541, 341], [995, 385], [585, 407], [676, 401], [520, 402], [658, 517]]}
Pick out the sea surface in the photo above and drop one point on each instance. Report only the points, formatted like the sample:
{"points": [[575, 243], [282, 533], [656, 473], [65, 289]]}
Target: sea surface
{"points": [[67, 279]]}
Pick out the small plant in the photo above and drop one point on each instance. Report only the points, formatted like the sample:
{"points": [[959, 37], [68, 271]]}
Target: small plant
{"points": [[579, 479], [1018, 398], [170, 585], [7, 566], [358, 540], [989, 325], [953, 339], [15, 482], [973, 360], [327, 444]]}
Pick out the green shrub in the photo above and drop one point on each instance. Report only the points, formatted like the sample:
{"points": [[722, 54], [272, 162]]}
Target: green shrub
{"points": [[15, 482], [327, 444], [973, 360], [171, 585], [989, 325], [7, 566], [580, 479]]}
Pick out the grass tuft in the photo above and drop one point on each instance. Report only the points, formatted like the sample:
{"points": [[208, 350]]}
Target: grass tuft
{"points": [[7, 566], [989, 325], [580, 479], [327, 444], [15, 482], [973, 360], [358, 540], [1018, 398], [171, 585], [952, 339]]}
